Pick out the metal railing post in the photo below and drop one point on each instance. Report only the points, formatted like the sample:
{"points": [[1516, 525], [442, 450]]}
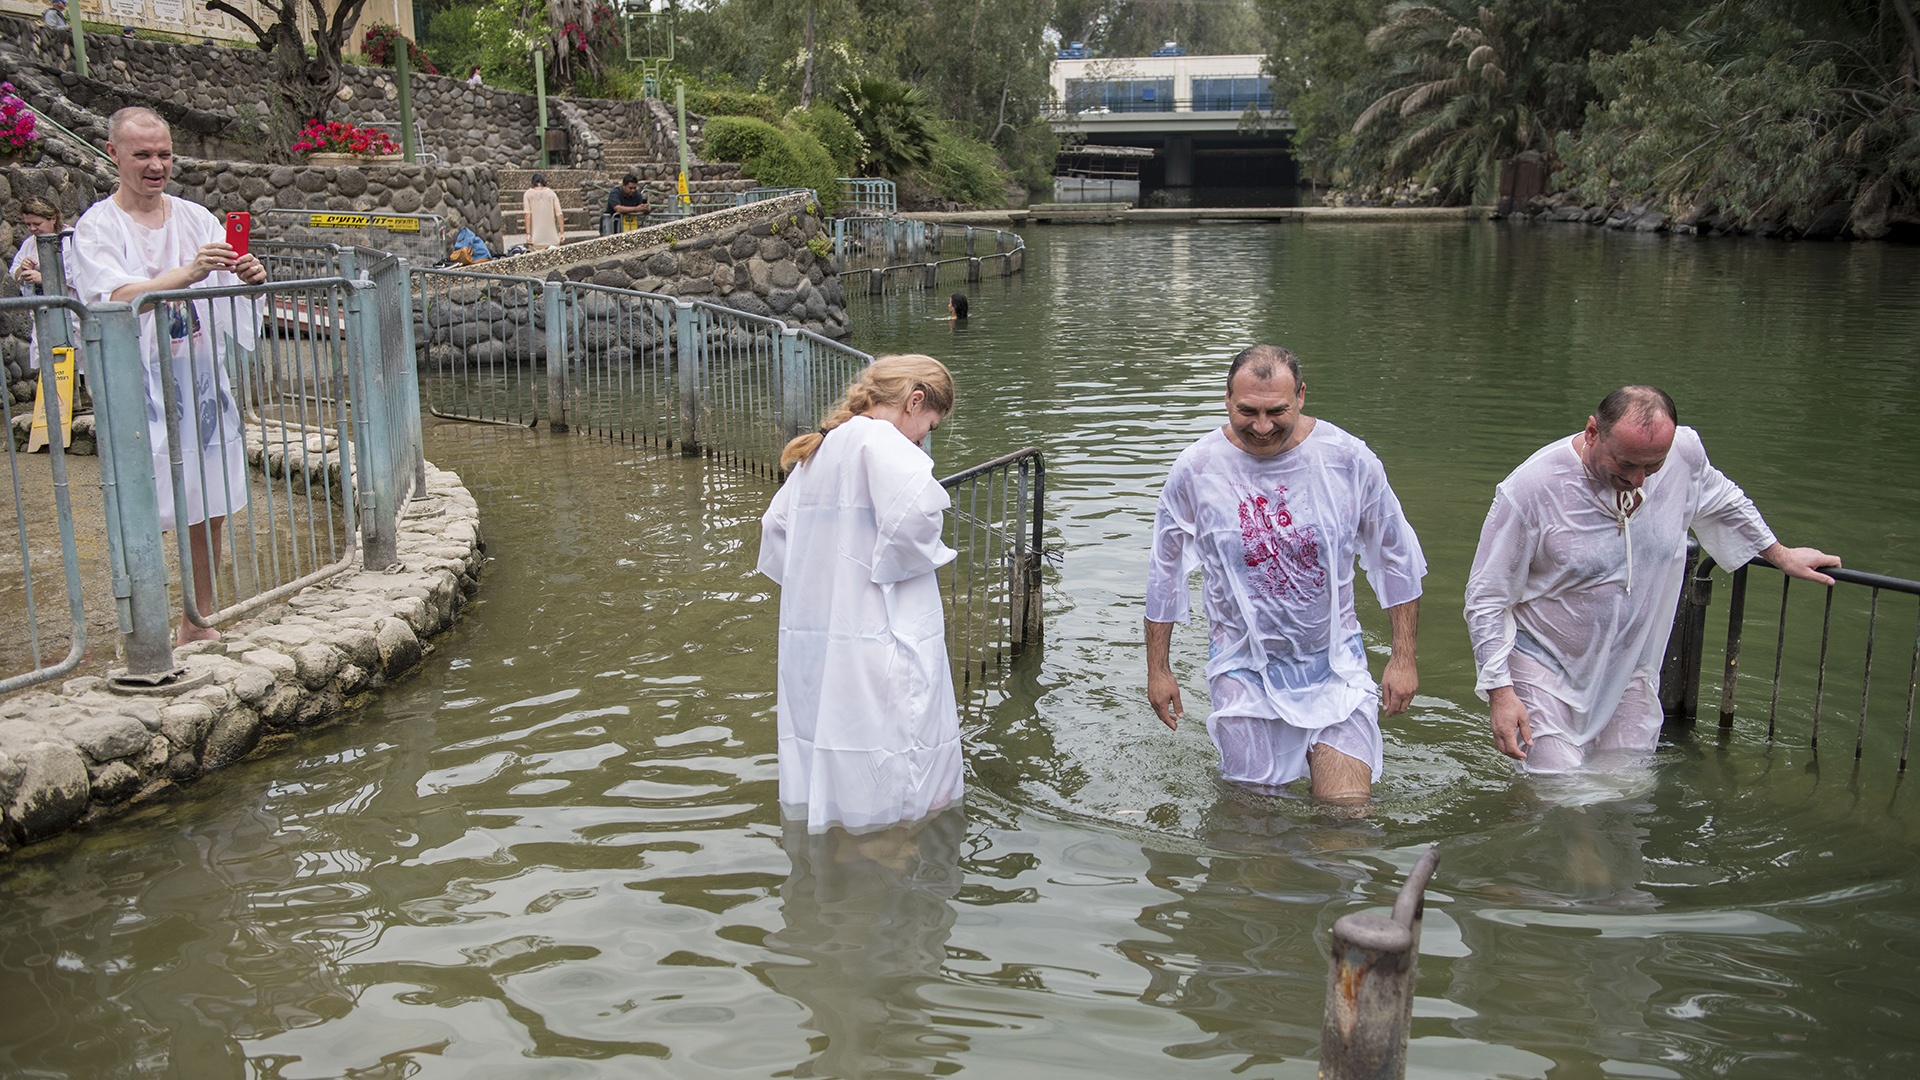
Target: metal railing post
{"points": [[794, 391], [1680, 669], [55, 326], [687, 352], [973, 268], [1370, 976], [378, 500], [402, 400], [559, 385], [136, 552], [397, 282]]}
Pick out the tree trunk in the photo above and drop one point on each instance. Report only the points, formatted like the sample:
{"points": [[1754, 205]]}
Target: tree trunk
{"points": [[304, 88], [806, 79]]}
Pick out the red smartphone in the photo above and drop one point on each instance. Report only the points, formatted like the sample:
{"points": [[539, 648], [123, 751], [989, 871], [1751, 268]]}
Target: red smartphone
{"points": [[239, 228]]}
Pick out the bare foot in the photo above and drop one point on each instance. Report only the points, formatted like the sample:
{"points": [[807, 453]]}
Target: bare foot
{"points": [[189, 633]]}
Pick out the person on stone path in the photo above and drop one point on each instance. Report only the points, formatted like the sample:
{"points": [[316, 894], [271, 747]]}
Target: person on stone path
{"points": [[626, 200], [546, 221], [869, 731], [1579, 568], [56, 15], [41, 218], [1274, 508], [142, 240]]}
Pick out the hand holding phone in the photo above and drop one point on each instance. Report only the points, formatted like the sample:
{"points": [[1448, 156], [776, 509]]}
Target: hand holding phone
{"points": [[239, 230]]}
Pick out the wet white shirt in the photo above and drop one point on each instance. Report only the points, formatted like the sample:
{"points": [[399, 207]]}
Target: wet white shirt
{"points": [[110, 250], [869, 732], [1276, 539], [1586, 596]]}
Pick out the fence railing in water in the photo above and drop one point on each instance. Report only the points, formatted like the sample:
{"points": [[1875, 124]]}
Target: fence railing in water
{"points": [[1798, 657], [995, 524], [883, 251], [299, 399], [638, 367]]}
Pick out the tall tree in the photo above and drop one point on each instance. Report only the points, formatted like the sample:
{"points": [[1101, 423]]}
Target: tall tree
{"points": [[305, 82]]}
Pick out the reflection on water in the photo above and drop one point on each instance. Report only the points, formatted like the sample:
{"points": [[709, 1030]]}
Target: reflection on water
{"points": [[556, 851], [866, 923]]}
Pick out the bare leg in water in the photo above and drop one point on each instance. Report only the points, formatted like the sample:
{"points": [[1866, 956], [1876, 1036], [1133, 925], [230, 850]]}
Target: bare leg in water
{"points": [[203, 539], [1338, 778]]}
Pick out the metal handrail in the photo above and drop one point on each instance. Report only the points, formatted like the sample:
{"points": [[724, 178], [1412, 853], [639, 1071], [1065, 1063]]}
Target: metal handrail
{"points": [[43, 118], [1683, 659]]}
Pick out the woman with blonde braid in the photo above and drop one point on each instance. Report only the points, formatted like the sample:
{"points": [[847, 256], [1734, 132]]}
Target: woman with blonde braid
{"points": [[869, 732]]}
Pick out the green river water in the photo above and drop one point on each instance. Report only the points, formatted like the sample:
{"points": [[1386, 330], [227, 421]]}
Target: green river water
{"points": [[555, 851]]}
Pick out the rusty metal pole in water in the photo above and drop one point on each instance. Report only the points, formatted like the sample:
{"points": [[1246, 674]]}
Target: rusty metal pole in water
{"points": [[1370, 977]]}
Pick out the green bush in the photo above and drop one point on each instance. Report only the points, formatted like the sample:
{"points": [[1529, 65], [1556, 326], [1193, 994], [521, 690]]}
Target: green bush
{"points": [[776, 156], [962, 169], [835, 132]]}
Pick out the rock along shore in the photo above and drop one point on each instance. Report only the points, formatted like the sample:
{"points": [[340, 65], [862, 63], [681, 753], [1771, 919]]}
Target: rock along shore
{"points": [[88, 752]]}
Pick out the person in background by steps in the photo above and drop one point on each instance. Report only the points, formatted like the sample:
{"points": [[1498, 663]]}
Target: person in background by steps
{"points": [[546, 222]]}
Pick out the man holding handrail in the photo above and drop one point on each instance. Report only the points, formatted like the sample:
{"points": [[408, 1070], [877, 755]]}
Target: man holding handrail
{"points": [[1275, 507], [1578, 572], [142, 240]]}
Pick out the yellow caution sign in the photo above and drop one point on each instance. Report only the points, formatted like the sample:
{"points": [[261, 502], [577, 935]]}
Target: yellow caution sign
{"points": [[682, 188], [364, 221], [63, 385]]}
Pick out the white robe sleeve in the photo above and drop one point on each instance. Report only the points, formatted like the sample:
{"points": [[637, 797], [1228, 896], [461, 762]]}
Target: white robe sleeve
{"points": [[1389, 550], [1173, 559], [910, 508], [1495, 588], [1728, 524], [773, 532], [101, 263]]}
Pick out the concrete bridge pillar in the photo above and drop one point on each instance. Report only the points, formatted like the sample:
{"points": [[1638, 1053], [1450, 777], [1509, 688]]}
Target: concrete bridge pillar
{"points": [[1179, 171]]}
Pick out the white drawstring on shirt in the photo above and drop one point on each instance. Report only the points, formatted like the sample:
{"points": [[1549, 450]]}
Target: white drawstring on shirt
{"points": [[1624, 505]]}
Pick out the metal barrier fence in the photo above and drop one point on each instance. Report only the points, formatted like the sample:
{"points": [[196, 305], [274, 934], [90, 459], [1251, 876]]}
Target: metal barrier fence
{"points": [[485, 337], [887, 251], [1797, 659], [996, 525], [53, 328], [865, 195], [638, 367], [298, 404]]}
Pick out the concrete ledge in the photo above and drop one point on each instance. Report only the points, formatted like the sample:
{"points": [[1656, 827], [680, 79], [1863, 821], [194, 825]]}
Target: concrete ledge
{"points": [[86, 753], [1184, 215]]}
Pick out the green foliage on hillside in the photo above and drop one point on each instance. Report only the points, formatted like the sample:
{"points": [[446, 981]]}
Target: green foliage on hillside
{"points": [[1761, 112], [784, 155]]}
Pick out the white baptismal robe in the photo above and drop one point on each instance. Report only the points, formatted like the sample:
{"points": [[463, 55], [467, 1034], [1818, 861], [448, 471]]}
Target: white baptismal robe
{"points": [[111, 250], [1276, 537], [1559, 579], [30, 253], [869, 732]]}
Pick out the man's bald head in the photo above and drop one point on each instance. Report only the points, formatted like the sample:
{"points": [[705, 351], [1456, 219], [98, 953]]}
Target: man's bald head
{"points": [[1264, 362], [131, 117], [1640, 406]]}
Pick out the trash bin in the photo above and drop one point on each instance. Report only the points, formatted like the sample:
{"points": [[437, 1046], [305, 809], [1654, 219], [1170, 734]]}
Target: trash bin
{"points": [[556, 141]]}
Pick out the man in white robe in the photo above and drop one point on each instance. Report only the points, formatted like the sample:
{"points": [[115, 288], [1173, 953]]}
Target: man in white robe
{"points": [[869, 729], [1578, 573], [1274, 508], [142, 240]]}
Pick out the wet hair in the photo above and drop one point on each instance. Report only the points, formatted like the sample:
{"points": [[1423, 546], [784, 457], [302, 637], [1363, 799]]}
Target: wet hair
{"points": [[1264, 362], [890, 380], [629, 179], [1640, 404], [539, 179], [133, 114], [959, 303], [39, 207]]}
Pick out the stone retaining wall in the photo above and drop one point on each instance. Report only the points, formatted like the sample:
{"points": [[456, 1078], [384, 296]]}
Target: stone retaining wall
{"points": [[86, 753], [754, 259]]}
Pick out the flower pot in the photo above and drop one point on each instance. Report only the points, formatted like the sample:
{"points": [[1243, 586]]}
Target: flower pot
{"points": [[336, 160]]}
